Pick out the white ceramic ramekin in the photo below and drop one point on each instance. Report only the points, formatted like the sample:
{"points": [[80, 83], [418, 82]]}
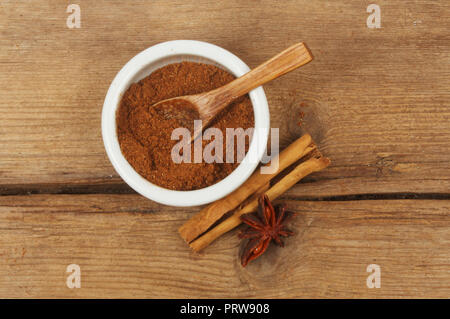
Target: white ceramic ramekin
{"points": [[144, 64]]}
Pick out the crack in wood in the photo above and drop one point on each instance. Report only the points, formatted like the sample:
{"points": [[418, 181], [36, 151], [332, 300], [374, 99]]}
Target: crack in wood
{"points": [[374, 196], [82, 188], [121, 188]]}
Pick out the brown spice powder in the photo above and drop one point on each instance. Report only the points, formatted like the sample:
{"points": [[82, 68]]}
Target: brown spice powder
{"points": [[145, 138]]}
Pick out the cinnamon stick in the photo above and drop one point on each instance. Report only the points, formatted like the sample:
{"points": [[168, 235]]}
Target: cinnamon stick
{"points": [[299, 172], [203, 220]]}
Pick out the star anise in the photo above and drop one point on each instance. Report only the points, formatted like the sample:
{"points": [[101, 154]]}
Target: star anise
{"points": [[267, 224]]}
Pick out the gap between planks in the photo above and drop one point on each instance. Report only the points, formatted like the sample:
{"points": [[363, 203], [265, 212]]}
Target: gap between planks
{"points": [[118, 188]]}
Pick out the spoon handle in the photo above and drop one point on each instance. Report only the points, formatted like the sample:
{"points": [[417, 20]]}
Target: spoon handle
{"points": [[284, 62], [214, 101]]}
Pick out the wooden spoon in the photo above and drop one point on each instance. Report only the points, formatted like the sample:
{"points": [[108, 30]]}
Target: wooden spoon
{"points": [[209, 104]]}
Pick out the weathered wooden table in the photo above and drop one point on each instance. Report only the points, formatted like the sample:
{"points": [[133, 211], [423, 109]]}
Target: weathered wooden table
{"points": [[377, 101]]}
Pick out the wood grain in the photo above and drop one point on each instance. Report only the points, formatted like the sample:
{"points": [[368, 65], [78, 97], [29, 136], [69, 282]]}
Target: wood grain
{"points": [[127, 246], [376, 100]]}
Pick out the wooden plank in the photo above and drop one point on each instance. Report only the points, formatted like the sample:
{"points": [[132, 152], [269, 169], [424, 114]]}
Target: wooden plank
{"points": [[376, 100], [127, 246]]}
